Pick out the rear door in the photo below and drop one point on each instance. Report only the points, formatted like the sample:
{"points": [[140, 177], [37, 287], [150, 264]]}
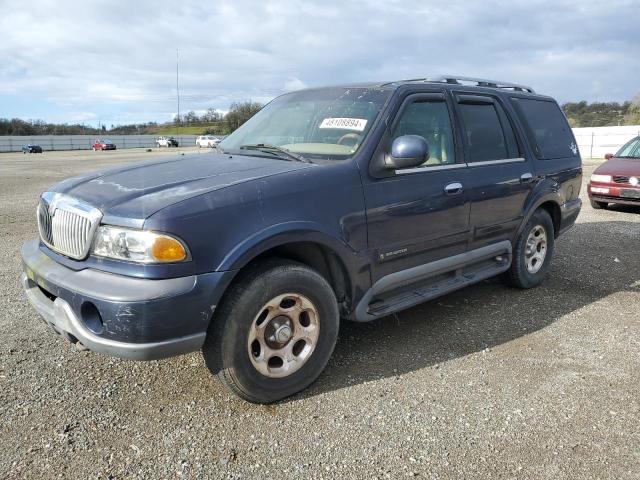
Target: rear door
{"points": [[501, 178]]}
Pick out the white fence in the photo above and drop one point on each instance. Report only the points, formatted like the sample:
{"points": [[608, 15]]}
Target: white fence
{"points": [[83, 142], [595, 142]]}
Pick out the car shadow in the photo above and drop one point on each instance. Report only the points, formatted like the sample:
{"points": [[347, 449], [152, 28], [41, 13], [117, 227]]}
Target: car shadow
{"points": [[618, 207], [592, 261]]}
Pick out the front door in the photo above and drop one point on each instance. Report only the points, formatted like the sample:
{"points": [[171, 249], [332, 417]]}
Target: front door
{"points": [[418, 215]]}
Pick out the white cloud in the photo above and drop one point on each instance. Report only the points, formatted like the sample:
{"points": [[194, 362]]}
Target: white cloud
{"points": [[294, 84], [117, 58]]}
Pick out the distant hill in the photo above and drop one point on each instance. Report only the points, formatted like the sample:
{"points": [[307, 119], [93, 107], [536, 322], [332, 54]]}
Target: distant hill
{"points": [[211, 122], [583, 114]]}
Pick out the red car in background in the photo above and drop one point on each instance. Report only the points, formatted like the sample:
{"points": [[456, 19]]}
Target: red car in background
{"points": [[618, 179], [103, 145]]}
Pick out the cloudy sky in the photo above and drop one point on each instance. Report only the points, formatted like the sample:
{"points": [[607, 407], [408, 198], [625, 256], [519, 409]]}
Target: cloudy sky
{"points": [[114, 61]]}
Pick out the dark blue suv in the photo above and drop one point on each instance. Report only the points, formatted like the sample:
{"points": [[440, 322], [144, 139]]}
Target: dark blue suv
{"points": [[348, 202]]}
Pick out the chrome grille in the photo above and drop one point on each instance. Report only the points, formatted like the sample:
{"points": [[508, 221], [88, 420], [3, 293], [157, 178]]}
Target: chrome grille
{"points": [[67, 225]]}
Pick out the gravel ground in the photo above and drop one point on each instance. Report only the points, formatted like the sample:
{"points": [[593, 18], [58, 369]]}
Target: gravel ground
{"points": [[488, 382]]}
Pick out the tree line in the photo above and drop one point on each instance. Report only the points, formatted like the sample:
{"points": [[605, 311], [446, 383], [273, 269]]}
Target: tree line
{"points": [[212, 121], [601, 114]]}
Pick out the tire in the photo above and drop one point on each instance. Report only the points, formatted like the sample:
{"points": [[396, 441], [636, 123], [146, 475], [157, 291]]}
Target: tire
{"points": [[230, 353], [598, 205], [524, 271]]}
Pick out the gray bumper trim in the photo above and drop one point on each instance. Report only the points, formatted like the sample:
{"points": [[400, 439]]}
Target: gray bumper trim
{"points": [[61, 318]]}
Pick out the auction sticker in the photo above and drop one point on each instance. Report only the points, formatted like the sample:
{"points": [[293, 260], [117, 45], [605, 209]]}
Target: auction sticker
{"points": [[356, 124]]}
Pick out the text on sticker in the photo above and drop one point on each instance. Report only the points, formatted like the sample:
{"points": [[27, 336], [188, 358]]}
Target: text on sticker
{"points": [[356, 124]]}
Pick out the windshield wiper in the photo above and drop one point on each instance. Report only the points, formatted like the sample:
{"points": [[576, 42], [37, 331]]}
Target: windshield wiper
{"points": [[275, 150]]}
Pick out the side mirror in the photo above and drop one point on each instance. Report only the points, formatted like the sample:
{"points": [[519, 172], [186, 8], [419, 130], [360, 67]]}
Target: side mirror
{"points": [[406, 152], [607, 156]]}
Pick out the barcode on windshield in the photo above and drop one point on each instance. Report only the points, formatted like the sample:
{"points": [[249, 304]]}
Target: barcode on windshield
{"points": [[357, 124]]}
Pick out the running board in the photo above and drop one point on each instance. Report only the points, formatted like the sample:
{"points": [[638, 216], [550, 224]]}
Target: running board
{"points": [[407, 288]]}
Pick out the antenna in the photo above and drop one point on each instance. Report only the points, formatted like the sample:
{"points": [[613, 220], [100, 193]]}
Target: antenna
{"points": [[178, 92]]}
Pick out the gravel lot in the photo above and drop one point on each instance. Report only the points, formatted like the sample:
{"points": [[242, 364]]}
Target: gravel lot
{"points": [[488, 382]]}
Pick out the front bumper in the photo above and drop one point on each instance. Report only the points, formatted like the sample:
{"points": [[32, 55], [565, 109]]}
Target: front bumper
{"points": [[614, 193], [126, 317]]}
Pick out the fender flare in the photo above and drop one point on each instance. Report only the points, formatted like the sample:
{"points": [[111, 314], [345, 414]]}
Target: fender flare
{"points": [[547, 192], [281, 234]]}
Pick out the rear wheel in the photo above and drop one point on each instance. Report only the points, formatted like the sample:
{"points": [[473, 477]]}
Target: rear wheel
{"points": [[598, 205], [532, 252], [274, 332]]}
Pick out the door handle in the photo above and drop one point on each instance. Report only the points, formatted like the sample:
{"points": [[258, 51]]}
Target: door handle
{"points": [[526, 177], [453, 188]]}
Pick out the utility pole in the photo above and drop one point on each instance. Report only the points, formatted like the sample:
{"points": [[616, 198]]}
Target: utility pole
{"points": [[178, 92]]}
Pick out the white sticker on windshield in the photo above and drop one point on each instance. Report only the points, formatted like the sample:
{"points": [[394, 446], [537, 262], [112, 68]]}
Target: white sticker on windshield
{"points": [[356, 124]]}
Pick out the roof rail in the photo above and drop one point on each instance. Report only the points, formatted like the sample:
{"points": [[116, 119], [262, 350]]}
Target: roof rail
{"points": [[480, 82]]}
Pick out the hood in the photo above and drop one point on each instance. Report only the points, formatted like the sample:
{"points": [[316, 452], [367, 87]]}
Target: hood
{"points": [[139, 190], [620, 166]]}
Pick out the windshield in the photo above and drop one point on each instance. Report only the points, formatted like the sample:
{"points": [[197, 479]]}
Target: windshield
{"points": [[323, 124], [630, 150]]}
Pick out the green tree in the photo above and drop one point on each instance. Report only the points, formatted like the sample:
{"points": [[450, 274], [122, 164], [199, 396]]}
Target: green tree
{"points": [[240, 113], [632, 117]]}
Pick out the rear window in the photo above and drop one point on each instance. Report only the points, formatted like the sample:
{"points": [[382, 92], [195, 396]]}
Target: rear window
{"points": [[547, 128]]}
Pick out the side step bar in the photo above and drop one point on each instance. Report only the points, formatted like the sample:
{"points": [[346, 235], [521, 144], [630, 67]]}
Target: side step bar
{"points": [[404, 289]]}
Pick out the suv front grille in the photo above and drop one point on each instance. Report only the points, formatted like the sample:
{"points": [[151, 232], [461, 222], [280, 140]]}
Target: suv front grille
{"points": [[67, 225]]}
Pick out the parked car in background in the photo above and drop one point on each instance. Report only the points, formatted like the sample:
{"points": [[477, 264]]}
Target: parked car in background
{"points": [[31, 148], [207, 141], [103, 145], [166, 142], [349, 202], [618, 179]]}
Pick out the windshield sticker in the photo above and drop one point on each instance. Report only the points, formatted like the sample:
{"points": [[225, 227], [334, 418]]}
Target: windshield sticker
{"points": [[356, 124]]}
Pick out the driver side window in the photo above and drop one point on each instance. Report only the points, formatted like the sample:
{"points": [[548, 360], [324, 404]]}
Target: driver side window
{"points": [[430, 120]]}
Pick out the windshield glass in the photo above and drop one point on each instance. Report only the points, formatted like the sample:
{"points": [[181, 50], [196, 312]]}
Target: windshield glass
{"points": [[631, 149], [323, 124]]}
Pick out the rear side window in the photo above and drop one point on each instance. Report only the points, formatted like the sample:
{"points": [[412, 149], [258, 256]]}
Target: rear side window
{"points": [[488, 133], [547, 128]]}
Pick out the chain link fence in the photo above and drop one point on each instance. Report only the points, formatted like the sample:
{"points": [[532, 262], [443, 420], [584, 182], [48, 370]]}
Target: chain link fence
{"points": [[83, 142], [594, 142]]}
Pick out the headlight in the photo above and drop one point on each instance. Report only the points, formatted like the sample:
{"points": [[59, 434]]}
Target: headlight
{"points": [[138, 246], [601, 178]]}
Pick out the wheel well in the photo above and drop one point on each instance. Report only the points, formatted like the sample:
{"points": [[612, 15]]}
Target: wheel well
{"points": [[320, 258], [554, 211]]}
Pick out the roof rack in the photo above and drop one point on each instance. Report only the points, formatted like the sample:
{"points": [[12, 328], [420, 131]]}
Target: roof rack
{"points": [[479, 82]]}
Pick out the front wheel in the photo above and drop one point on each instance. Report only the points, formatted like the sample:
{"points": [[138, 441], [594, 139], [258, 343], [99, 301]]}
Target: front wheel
{"points": [[274, 332], [532, 252]]}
